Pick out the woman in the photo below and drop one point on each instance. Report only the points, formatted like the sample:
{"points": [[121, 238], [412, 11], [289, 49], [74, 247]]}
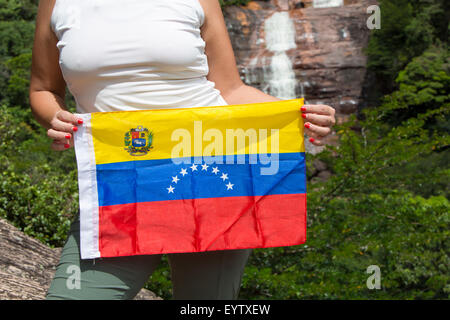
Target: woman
{"points": [[140, 54]]}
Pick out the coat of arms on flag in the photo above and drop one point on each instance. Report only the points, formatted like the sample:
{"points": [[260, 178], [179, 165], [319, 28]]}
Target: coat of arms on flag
{"points": [[215, 178], [138, 141]]}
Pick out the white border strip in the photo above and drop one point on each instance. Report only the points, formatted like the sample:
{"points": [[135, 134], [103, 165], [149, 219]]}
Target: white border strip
{"points": [[87, 186]]}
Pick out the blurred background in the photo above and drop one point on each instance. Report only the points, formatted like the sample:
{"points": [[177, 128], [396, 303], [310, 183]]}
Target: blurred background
{"points": [[378, 194]]}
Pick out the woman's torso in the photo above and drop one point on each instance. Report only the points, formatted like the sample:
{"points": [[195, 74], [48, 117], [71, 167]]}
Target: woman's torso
{"points": [[133, 54]]}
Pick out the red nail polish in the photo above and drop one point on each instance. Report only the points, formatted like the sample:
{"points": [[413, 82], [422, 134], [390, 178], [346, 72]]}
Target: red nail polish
{"points": [[67, 136], [303, 108], [75, 129], [304, 116], [80, 121], [311, 140], [307, 125], [67, 146]]}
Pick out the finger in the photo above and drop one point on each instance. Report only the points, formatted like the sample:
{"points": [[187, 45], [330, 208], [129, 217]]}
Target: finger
{"points": [[318, 108], [319, 120], [314, 138], [316, 142], [59, 125], [312, 134], [64, 137], [59, 146], [66, 116], [319, 130]]}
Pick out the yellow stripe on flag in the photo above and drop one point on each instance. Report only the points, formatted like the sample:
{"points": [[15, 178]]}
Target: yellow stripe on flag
{"points": [[203, 127]]}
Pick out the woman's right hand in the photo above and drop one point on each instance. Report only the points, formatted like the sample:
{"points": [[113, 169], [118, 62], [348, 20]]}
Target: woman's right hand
{"points": [[62, 127]]}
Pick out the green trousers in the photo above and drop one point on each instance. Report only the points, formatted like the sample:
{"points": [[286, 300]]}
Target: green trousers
{"points": [[202, 275]]}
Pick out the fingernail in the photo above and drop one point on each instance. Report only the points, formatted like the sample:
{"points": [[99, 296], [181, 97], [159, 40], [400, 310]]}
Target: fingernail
{"points": [[67, 146], [80, 121], [303, 108], [311, 140], [307, 125], [75, 129], [67, 136], [304, 116]]}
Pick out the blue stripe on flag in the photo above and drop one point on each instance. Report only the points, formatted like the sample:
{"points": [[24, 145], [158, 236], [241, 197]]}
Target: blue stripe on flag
{"points": [[160, 180]]}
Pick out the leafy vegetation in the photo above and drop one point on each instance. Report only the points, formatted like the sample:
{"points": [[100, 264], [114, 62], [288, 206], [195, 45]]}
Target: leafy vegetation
{"points": [[408, 28], [386, 204]]}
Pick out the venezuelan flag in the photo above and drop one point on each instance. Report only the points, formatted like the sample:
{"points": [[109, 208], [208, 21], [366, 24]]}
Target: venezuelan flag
{"points": [[191, 179]]}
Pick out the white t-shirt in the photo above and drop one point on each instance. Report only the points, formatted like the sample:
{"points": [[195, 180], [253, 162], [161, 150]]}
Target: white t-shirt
{"points": [[133, 54]]}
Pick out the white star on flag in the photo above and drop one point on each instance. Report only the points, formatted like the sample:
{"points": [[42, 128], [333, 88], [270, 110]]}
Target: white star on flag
{"points": [[194, 167]]}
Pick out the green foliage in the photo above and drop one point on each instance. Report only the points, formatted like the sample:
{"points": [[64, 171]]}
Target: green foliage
{"points": [[16, 41], [423, 85], [406, 236], [160, 281], [408, 28], [426, 79], [18, 9], [18, 81], [16, 37], [38, 189]]}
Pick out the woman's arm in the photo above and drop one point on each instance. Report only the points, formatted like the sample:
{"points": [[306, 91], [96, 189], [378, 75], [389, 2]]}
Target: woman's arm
{"points": [[223, 72], [47, 85]]}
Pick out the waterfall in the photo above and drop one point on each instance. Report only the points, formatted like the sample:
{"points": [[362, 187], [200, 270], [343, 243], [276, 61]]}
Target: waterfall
{"points": [[279, 32], [282, 82], [327, 3], [280, 36]]}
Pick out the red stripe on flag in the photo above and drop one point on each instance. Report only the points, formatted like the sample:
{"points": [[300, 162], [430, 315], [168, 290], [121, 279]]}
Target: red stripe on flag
{"points": [[202, 225]]}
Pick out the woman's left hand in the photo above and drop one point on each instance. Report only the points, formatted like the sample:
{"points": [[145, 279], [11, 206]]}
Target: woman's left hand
{"points": [[318, 122]]}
